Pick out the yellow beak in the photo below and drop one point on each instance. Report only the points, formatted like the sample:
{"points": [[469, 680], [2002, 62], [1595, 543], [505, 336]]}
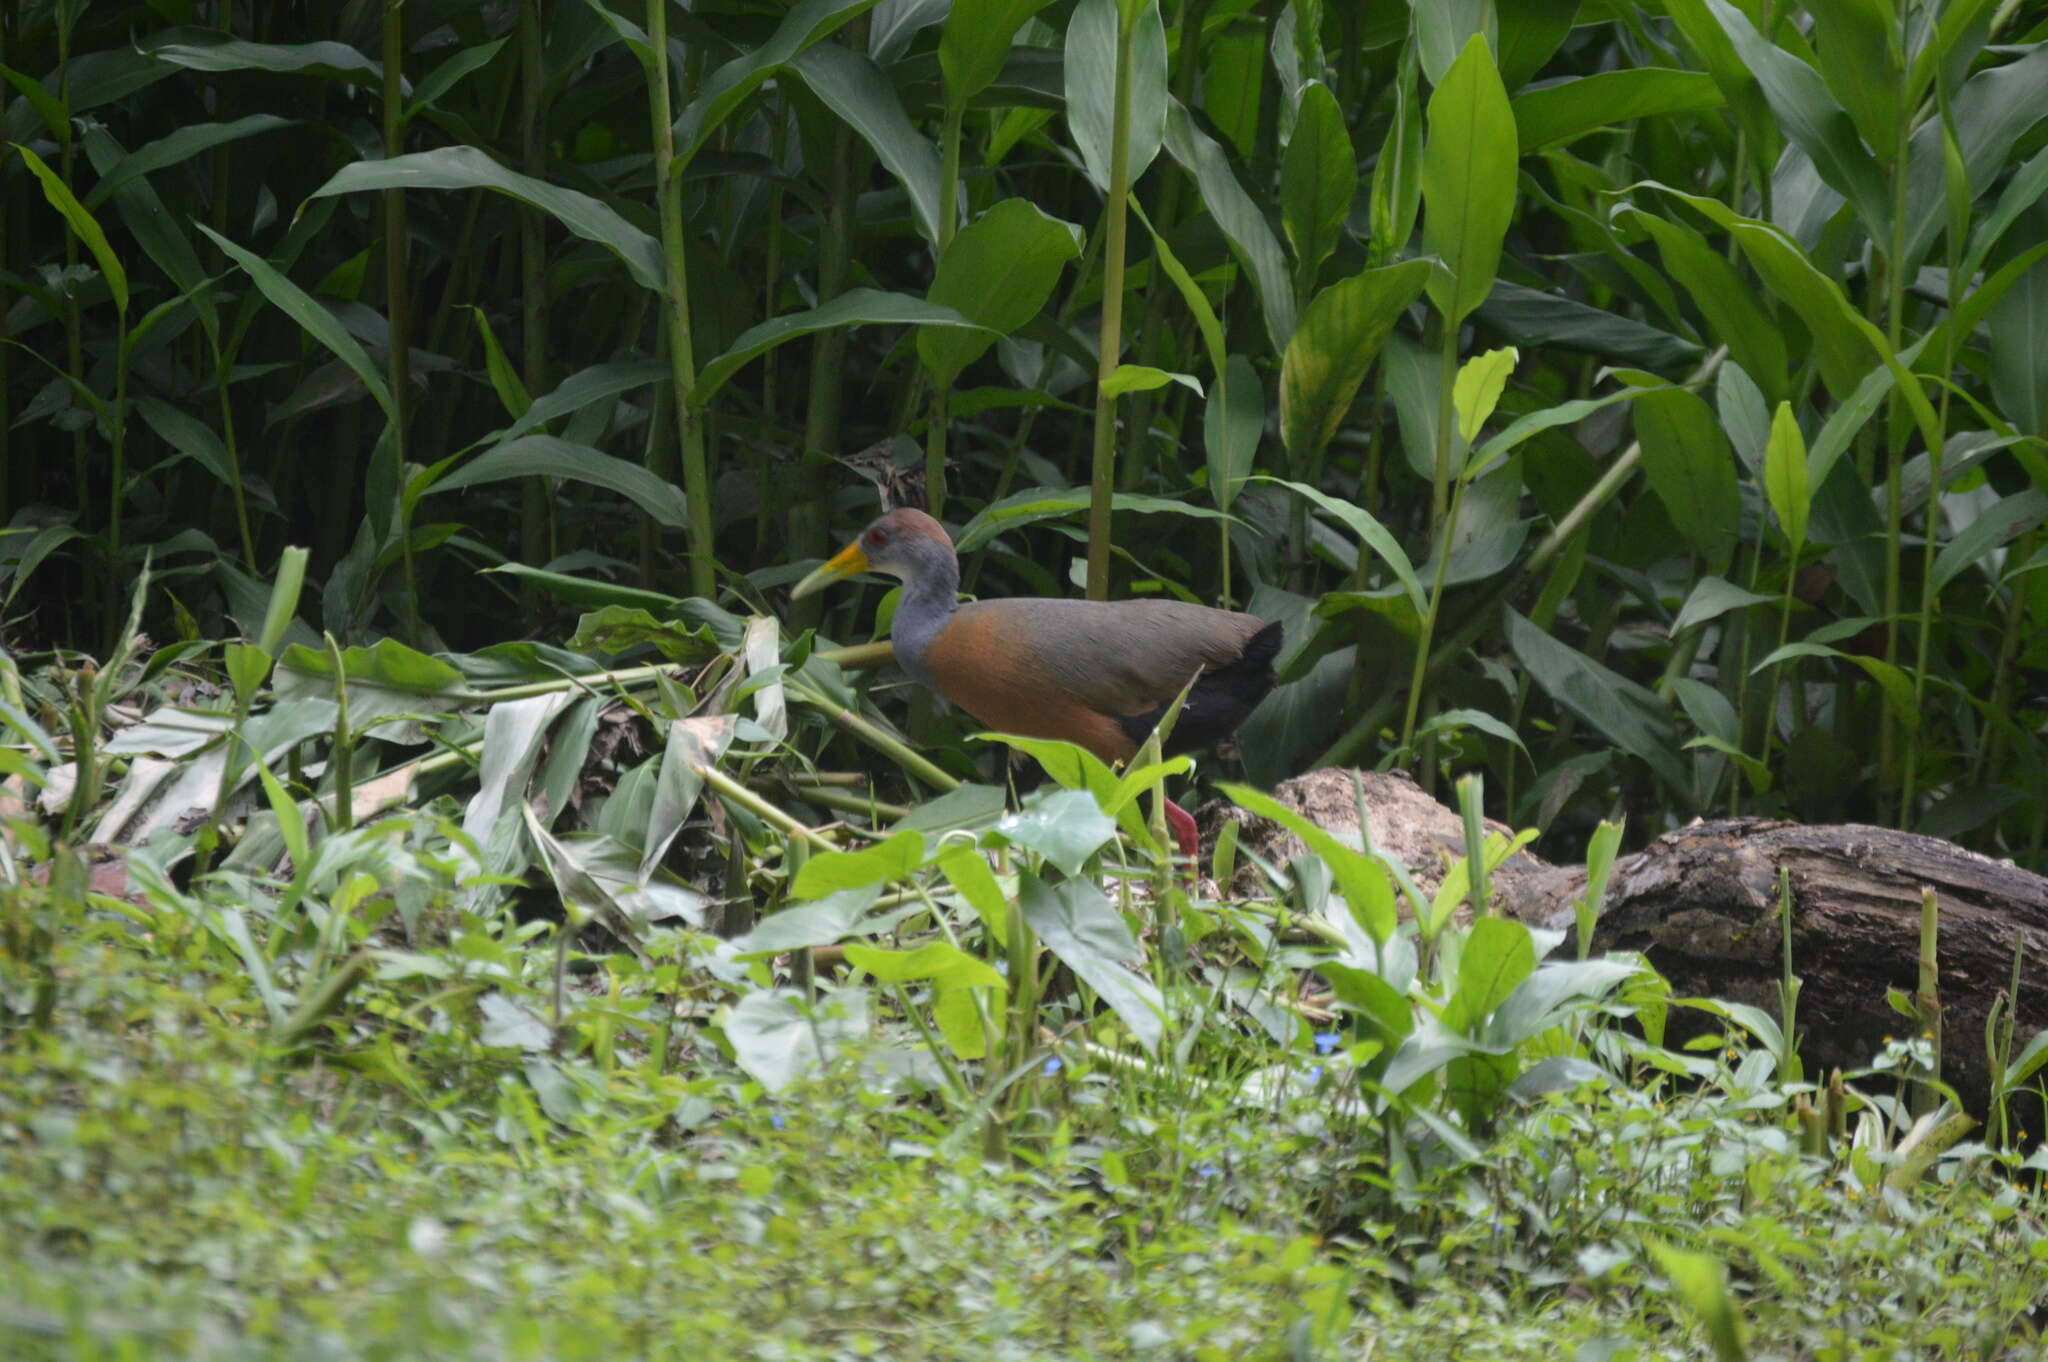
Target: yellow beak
{"points": [[848, 562]]}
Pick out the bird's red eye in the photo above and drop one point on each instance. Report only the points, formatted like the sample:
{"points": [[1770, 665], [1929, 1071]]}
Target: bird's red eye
{"points": [[877, 538]]}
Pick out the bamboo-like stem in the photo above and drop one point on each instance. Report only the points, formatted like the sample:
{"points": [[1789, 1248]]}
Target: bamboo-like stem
{"points": [[828, 351], [668, 194], [935, 426], [730, 789], [1102, 480], [533, 288]]}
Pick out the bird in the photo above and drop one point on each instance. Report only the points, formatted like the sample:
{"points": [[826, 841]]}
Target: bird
{"points": [[1099, 674]]}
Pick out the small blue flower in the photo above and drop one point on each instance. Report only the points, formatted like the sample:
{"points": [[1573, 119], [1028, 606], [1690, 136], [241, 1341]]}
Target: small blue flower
{"points": [[1207, 1170], [1327, 1041], [776, 1120], [1315, 1071], [1052, 1066]]}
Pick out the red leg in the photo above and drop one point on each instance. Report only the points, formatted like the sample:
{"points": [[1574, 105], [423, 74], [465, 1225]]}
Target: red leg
{"points": [[1182, 824]]}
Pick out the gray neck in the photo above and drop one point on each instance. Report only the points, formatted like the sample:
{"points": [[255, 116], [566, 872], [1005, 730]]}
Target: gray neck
{"points": [[927, 603]]}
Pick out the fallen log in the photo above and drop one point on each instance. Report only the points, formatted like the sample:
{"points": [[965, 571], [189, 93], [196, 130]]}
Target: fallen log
{"points": [[1701, 902]]}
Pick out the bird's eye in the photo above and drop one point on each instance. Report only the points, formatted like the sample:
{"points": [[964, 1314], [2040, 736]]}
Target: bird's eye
{"points": [[878, 539]]}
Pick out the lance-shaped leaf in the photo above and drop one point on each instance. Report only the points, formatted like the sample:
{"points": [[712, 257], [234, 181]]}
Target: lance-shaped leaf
{"points": [[997, 273], [1233, 423], [1243, 225], [314, 319], [82, 225], [1626, 714], [728, 86], [854, 88], [1558, 113], [1468, 180], [855, 307], [1810, 116], [179, 146], [1692, 470], [976, 44], [1785, 475], [1318, 178], [469, 168], [1090, 69], [1340, 335], [546, 454]]}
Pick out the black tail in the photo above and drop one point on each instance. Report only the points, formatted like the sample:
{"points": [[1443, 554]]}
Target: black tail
{"points": [[1219, 701]]}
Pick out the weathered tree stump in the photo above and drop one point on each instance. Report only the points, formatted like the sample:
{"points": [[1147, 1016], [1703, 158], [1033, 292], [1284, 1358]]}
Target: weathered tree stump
{"points": [[1702, 903]]}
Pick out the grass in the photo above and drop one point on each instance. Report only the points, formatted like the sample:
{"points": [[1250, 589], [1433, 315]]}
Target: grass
{"points": [[175, 1188]]}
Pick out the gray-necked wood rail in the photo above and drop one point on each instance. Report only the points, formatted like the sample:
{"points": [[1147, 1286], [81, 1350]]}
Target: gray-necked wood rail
{"points": [[1099, 674]]}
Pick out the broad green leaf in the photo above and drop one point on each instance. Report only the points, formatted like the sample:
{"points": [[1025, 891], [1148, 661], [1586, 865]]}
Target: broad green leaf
{"points": [[1066, 827], [330, 60], [1375, 536], [1397, 176], [532, 455], [1045, 503], [1809, 115], [1691, 468], [1855, 47], [47, 106], [1242, 224], [1498, 955], [1536, 422], [1569, 109], [1443, 30], [1626, 714], [855, 89], [1340, 335], [1138, 378], [2018, 331], [997, 273], [1084, 930], [1701, 1283], [619, 628], [1190, 292], [387, 662], [829, 872], [1233, 423], [855, 307], [511, 389], [968, 873], [585, 387], [314, 319], [1785, 476], [177, 147], [1318, 179], [941, 961], [726, 88], [1712, 597], [1529, 317], [470, 168], [976, 44], [1476, 391], [2010, 516], [82, 225], [1090, 73], [1531, 31], [1725, 299], [1468, 180], [778, 1039], [817, 923], [1456, 720], [190, 437], [448, 74], [1360, 879]]}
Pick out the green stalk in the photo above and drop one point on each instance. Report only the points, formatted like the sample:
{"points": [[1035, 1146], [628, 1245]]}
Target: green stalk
{"points": [[533, 288], [1102, 481], [949, 197], [828, 350], [668, 193], [1894, 499], [1476, 623], [1443, 521]]}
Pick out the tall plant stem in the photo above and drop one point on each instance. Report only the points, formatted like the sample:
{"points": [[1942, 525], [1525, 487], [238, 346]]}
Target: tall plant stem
{"points": [[1443, 521], [935, 427], [1102, 482], [828, 349], [533, 289], [395, 297], [668, 192]]}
